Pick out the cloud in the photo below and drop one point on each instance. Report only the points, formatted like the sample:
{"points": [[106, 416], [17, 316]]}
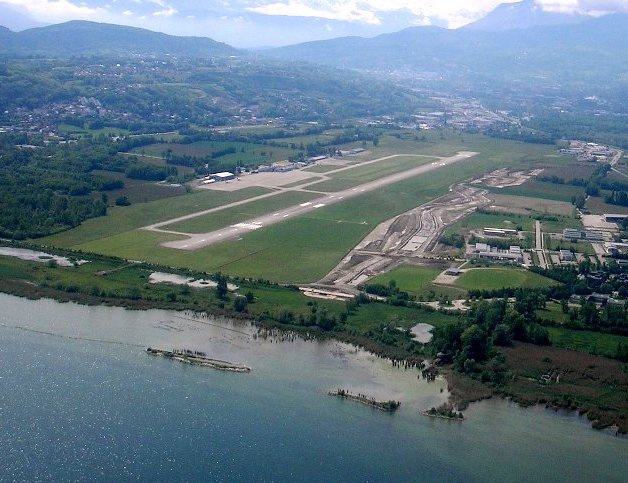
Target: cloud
{"points": [[166, 12], [57, 10], [584, 7], [453, 12], [341, 10]]}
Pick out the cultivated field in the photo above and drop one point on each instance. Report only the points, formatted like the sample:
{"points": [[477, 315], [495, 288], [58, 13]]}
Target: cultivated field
{"points": [[543, 190]]}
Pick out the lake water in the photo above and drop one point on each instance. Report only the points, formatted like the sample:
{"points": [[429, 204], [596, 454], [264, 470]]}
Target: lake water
{"points": [[81, 400]]}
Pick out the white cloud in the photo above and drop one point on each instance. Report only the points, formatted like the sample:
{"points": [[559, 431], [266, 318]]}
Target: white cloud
{"points": [[57, 10], [350, 10], [127, 13], [166, 12], [454, 12], [584, 7]]}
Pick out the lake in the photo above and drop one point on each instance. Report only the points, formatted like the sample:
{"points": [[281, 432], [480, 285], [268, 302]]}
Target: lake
{"points": [[81, 400]]}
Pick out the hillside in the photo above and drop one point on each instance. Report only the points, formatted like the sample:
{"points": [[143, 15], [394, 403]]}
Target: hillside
{"points": [[90, 38], [521, 15], [593, 50]]}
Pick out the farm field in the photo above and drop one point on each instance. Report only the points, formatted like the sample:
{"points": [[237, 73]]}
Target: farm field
{"points": [[480, 220], [497, 278], [571, 170], [246, 153], [597, 206], [139, 191], [523, 205], [539, 189]]}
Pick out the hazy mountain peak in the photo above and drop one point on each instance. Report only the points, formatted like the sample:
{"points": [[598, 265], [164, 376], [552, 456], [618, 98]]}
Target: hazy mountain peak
{"points": [[522, 15]]}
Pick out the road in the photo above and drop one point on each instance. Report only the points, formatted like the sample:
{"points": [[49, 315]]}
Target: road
{"points": [[234, 232], [405, 238], [539, 246]]}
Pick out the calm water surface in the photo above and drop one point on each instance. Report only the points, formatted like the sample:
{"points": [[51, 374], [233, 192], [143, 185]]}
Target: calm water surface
{"points": [[80, 400]]}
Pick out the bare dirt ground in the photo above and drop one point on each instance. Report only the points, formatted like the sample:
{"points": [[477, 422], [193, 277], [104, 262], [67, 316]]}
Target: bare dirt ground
{"points": [[502, 178], [406, 238], [523, 205]]}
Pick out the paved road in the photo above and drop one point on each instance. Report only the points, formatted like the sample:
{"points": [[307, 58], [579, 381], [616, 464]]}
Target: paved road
{"points": [[539, 246], [196, 241]]}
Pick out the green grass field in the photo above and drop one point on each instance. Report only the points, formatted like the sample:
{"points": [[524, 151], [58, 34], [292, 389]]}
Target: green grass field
{"points": [[552, 312], [478, 221], [370, 316], [496, 278], [128, 218], [539, 189], [578, 246], [363, 174], [321, 168], [586, 341], [246, 153], [409, 278], [418, 281], [238, 214], [305, 248]]}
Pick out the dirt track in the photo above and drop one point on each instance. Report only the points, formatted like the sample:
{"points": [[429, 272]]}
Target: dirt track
{"points": [[405, 238]]}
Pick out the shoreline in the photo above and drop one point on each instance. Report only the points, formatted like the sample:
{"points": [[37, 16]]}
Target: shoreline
{"points": [[463, 390]]}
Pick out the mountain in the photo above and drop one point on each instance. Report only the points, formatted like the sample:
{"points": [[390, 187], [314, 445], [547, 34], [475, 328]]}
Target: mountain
{"points": [[592, 51], [522, 15], [90, 38]]}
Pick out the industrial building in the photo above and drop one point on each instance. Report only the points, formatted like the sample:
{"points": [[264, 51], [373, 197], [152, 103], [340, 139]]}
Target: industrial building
{"points": [[501, 232], [483, 251], [222, 176], [575, 234], [614, 218]]}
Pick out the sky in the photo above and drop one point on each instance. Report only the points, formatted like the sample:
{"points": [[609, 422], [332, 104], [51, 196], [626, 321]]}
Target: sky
{"points": [[264, 23]]}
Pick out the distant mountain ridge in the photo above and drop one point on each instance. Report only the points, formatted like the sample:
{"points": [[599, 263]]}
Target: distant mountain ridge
{"points": [[80, 37], [522, 15], [589, 51]]}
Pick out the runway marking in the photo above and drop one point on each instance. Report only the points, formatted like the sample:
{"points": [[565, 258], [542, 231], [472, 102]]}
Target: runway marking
{"points": [[305, 204], [248, 226], [320, 205]]}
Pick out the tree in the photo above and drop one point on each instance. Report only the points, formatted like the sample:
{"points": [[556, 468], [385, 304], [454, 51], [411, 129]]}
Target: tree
{"points": [[221, 286], [122, 201], [240, 303]]}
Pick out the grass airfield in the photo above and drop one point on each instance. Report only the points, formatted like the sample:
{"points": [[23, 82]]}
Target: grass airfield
{"points": [[305, 248]]}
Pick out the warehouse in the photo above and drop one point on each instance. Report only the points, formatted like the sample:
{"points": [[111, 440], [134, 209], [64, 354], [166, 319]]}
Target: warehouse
{"points": [[223, 176]]}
